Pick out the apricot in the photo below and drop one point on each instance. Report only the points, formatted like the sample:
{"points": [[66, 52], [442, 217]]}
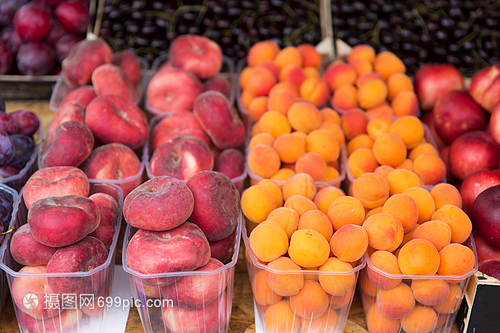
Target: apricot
{"points": [[257, 202], [308, 248], [255, 129], [401, 179], [312, 164], [346, 210], [385, 232], [262, 294], [323, 143], [289, 147], [397, 302], [388, 263], [257, 107], [381, 110], [374, 211], [335, 129], [288, 55], [261, 138], [280, 100], [383, 170], [424, 201], [387, 63], [337, 284], [367, 287], [349, 243], [262, 51], [422, 148], [398, 82], [446, 194], [406, 165], [292, 73], [372, 94], [318, 221], [330, 114], [271, 66], [405, 103], [311, 302], [286, 218], [457, 220], [246, 98], [326, 196], [268, 241], [332, 175], [421, 319], [260, 81], [358, 142], [335, 76], [245, 75], [326, 323], [371, 189], [263, 161], [354, 123], [315, 90], [274, 189], [287, 86], [436, 232], [362, 51], [418, 257], [430, 292], [279, 318], [304, 117], [430, 168], [283, 174], [409, 129], [281, 283], [345, 97], [367, 77], [377, 322], [274, 123], [300, 184], [362, 161], [311, 72], [300, 204], [404, 208], [389, 149], [362, 66], [456, 259], [452, 302]]}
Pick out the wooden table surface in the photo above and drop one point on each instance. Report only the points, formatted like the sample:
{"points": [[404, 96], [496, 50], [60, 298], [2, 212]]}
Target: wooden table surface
{"points": [[242, 317]]}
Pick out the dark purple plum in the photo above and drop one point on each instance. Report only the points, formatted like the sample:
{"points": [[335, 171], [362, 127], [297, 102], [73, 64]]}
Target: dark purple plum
{"points": [[32, 21], [9, 170], [11, 39], [73, 15], [56, 32], [6, 148], [35, 59], [24, 147], [27, 122], [5, 59], [8, 124], [8, 9]]}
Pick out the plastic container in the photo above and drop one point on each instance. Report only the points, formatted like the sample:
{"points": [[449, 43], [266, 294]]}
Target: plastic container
{"points": [[18, 181], [227, 71], [149, 296], [435, 316], [70, 310], [335, 182], [126, 184], [8, 192], [61, 89], [146, 153], [428, 137], [268, 306]]}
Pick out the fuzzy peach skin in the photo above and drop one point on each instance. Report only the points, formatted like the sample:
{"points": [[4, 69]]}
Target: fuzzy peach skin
{"points": [[113, 161], [109, 209], [223, 249], [230, 162], [181, 157], [56, 181], [160, 204], [129, 63], [65, 322], [219, 119], [109, 79], [26, 250], [70, 146], [62, 221], [173, 89], [82, 95], [37, 285], [182, 249], [197, 291], [197, 54], [113, 119], [218, 83], [83, 256], [70, 111], [210, 319], [216, 204], [83, 58]]}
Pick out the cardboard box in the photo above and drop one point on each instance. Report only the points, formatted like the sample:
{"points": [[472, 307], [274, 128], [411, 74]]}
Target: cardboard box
{"points": [[479, 312]]}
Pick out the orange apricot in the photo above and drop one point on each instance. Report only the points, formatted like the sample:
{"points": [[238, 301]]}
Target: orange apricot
{"points": [[367, 77], [389, 149], [383, 170], [430, 292], [275, 190], [377, 322], [345, 97], [323, 142], [280, 100], [422, 148], [410, 129], [456, 259], [292, 73], [362, 161], [354, 123], [452, 302], [287, 86], [424, 201], [336, 284], [312, 164], [279, 318], [262, 294], [326, 323], [261, 138], [311, 302], [318, 221], [308, 248], [436, 232], [387, 63], [371, 189], [446, 194], [459, 222], [288, 55], [257, 107], [401, 179], [386, 262], [335, 129], [421, 319], [378, 125], [246, 98], [404, 208], [283, 174], [418, 257], [329, 114], [263, 161], [349, 243], [281, 283], [304, 117], [397, 302], [362, 51], [311, 72], [260, 81], [274, 123], [289, 147], [315, 90], [385, 232], [268, 241], [362, 66], [300, 204], [405, 103], [262, 51], [346, 210], [335, 76], [360, 141], [326, 196], [257, 202], [300, 184], [372, 94], [398, 82], [286, 218], [271, 66]]}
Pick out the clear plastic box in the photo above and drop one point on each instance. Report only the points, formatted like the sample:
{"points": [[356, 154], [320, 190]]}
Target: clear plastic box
{"points": [[163, 316], [7, 191], [438, 313], [88, 320], [335, 182], [146, 154], [61, 89], [227, 71], [269, 306], [18, 181], [350, 177], [126, 184]]}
